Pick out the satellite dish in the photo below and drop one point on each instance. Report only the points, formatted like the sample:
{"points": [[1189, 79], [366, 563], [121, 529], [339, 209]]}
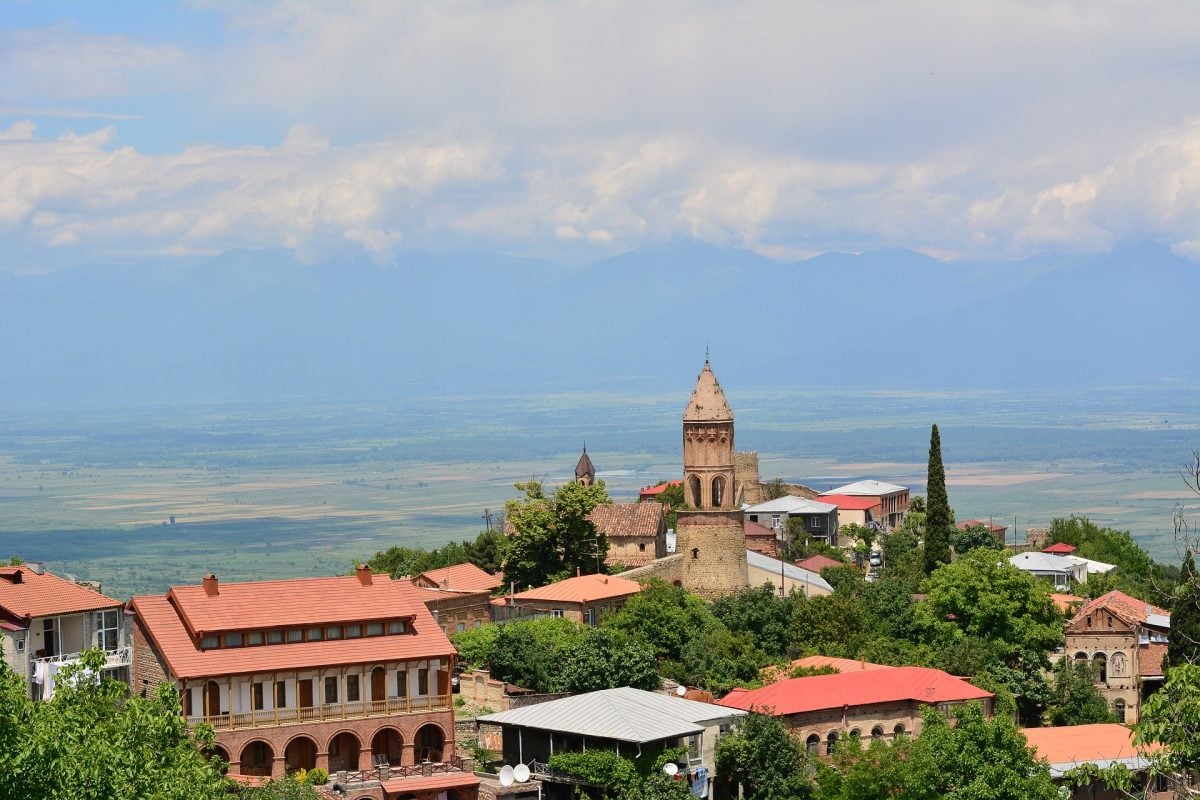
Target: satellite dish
{"points": [[670, 768], [506, 775], [681, 690], [521, 773]]}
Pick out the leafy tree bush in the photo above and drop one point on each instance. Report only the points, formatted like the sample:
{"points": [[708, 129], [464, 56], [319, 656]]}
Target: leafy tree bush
{"points": [[605, 658], [1074, 698], [666, 616], [765, 760], [622, 777], [974, 536], [939, 521], [552, 538]]}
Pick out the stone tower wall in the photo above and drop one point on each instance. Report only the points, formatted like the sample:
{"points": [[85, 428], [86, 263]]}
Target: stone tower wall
{"points": [[712, 546], [745, 475]]}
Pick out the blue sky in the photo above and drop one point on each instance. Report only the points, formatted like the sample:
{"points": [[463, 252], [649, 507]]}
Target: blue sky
{"points": [[576, 130]]}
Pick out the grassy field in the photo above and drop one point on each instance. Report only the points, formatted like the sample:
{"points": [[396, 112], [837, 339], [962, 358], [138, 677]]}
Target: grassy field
{"points": [[304, 489]]}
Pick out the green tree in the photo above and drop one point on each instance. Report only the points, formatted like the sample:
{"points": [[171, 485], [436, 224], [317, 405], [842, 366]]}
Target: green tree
{"points": [[903, 559], [1183, 640], [938, 519], [974, 536], [666, 616], [621, 777], [281, 789], [775, 489], [552, 537], [605, 658], [761, 613], [879, 771], [1171, 717], [672, 498], [476, 645], [1074, 698], [719, 660], [529, 653], [765, 760]]}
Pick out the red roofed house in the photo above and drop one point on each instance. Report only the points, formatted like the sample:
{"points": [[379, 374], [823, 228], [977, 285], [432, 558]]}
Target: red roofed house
{"points": [[855, 510], [652, 492], [998, 531], [46, 621], [585, 599], [1060, 549], [1101, 745], [773, 674], [1125, 639], [347, 673], [760, 538], [891, 500], [819, 562], [879, 703], [636, 532], [458, 596]]}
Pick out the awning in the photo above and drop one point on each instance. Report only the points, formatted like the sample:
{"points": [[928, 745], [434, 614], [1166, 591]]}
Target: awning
{"points": [[449, 780]]}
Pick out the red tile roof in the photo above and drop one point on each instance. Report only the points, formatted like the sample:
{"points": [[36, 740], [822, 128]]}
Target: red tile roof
{"points": [[757, 529], [1062, 549], [1125, 606], [772, 674], [1150, 660], [621, 520], [582, 589], [1104, 742], [1066, 602], [26, 594], [846, 502], [972, 523], [459, 578], [450, 780], [165, 626], [818, 562], [301, 601], [820, 692], [655, 491]]}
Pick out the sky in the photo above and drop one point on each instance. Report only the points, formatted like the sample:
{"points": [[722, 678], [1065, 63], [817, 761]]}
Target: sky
{"points": [[578, 130]]}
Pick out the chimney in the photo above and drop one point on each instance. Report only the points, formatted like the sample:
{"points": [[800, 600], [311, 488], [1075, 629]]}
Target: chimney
{"points": [[364, 574], [210, 585]]}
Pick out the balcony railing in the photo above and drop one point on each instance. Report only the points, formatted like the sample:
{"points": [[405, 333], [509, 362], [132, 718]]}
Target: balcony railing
{"points": [[354, 779], [121, 657], [241, 720]]}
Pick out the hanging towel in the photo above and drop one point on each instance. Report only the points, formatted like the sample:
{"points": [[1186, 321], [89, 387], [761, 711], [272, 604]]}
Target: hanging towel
{"points": [[700, 782], [39, 672]]}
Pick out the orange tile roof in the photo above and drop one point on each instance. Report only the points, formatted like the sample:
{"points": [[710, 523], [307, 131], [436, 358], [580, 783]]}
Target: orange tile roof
{"points": [[753, 528], [299, 601], [1125, 606], [621, 520], [165, 626], [819, 562], [1150, 660], [582, 589], [773, 674], [870, 687], [450, 780], [1104, 742], [846, 502], [26, 594], [1066, 601], [459, 578]]}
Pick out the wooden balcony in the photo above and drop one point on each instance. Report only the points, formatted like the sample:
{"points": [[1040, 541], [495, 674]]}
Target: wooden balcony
{"points": [[392, 706]]}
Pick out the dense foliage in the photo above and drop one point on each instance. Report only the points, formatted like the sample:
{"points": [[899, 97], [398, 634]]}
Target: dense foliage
{"points": [[1183, 641], [483, 552], [620, 777], [1171, 717], [1074, 698], [765, 760], [551, 536], [939, 521]]}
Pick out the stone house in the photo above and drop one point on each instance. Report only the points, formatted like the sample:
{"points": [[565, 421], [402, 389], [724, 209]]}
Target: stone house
{"points": [[636, 532], [1125, 639], [584, 599], [350, 674], [46, 621], [875, 703], [459, 596], [760, 539]]}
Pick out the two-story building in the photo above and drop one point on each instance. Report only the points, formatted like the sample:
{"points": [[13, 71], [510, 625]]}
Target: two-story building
{"points": [[351, 674], [890, 500], [879, 703], [584, 599], [817, 519], [636, 532], [458, 596], [46, 621], [1125, 640]]}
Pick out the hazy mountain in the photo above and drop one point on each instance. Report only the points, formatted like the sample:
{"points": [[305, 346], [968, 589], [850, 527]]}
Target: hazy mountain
{"points": [[261, 324]]}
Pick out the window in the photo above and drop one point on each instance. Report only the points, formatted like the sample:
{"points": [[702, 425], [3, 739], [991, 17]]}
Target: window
{"points": [[558, 612], [641, 547], [106, 630], [589, 616], [397, 627], [374, 629], [233, 640], [460, 627], [694, 748], [877, 732], [353, 631], [352, 695], [423, 680], [295, 635], [20, 645], [831, 743], [812, 744], [280, 694], [1119, 710], [274, 637], [331, 689], [718, 490], [478, 623], [775, 521], [816, 523], [694, 486], [899, 731], [402, 683], [333, 632], [209, 642], [254, 638], [316, 634], [855, 733], [259, 696]]}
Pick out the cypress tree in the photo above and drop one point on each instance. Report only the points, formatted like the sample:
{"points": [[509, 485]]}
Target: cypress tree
{"points": [[1183, 641], [937, 508]]}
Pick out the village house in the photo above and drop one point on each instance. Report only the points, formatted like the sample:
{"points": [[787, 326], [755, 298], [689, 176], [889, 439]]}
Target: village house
{"points": [[1125, 640], [818, 519], [999, 532], [458, 596], [784, 577], [1061, 571], [584, 599], [636, 532], [350, 674], [651, 493], [628, 721], [760, 538], [46, 621], [875, 703], [890, 500], [862, 511], [1102, 746]]}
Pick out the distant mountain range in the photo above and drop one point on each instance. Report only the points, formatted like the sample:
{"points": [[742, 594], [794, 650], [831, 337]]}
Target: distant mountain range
{"points": [[261, 325]]}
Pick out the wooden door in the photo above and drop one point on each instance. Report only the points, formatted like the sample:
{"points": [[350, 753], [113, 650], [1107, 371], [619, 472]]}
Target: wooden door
{"points": [[378, 684], [305, 692], [212, 699]]}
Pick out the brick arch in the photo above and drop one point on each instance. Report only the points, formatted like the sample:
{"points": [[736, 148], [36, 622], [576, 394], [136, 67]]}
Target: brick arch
{"points": [[384, 749], [247, 767], [300, 752], [428, 748], [695, 491], [347, 752]]}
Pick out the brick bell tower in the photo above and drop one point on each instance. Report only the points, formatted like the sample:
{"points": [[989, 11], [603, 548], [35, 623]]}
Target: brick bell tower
{"points": [[709, 529]]}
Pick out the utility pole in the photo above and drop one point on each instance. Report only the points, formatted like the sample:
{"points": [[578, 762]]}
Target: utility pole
{"points": [[487, 519]]}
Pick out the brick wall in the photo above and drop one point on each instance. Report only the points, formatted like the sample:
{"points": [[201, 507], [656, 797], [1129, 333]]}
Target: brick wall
{"points": [[149, 669], [713, 547]]}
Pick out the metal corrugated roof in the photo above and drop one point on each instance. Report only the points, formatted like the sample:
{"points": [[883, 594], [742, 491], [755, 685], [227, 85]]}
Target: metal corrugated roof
{"points": [[870, 488], [773, 565], [789, 504], [624, 714]]}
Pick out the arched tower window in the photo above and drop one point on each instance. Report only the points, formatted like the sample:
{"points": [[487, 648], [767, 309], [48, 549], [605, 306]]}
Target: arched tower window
{"points": [[1119, 710], [1100, 664], [718, 491], [695, 491]]}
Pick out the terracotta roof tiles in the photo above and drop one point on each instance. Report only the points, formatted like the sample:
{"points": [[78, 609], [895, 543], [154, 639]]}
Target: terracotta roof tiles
{"points": [[846, 502], [707, 403], [1150, 660], [582, 589], [459, 578], [1125, 606], [26, 594], [1100, 743], [819, 562], [621, 520]]}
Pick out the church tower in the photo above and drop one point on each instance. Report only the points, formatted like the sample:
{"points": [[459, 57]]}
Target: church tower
{"points": [[709, 529], [585, 472]]}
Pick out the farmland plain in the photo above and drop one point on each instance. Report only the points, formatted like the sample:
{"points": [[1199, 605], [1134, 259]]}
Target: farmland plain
{"points": [[140, 498]]}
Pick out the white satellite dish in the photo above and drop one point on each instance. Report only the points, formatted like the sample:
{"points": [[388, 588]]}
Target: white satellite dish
{"points": [[506, 775], [521, 773], [681, 690], [671, 768]]}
